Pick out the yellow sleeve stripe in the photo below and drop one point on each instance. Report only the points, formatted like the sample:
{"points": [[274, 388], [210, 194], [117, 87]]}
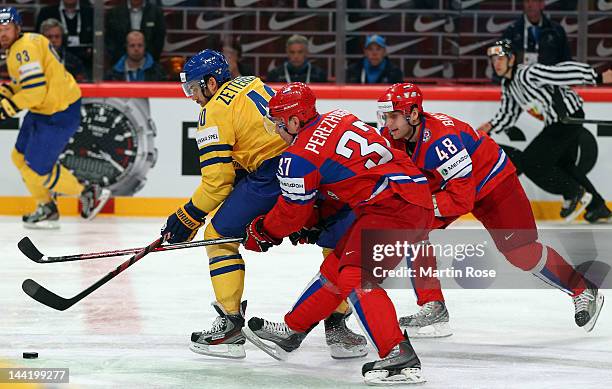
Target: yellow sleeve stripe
{"points": [[32, 77], [34, 85]]}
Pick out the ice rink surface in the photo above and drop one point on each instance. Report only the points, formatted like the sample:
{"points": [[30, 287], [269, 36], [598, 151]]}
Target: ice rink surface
{"points": [[134, 331]]}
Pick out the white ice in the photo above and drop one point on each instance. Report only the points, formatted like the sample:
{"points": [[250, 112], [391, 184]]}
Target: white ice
{"points": [[134, 331]]}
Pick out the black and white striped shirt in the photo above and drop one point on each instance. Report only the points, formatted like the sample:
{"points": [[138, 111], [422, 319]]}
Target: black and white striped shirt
{"points": [[543, 91]]}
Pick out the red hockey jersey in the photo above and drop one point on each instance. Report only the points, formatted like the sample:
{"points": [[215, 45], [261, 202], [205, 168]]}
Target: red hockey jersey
{"points": [[462, 165], [343, 158]]}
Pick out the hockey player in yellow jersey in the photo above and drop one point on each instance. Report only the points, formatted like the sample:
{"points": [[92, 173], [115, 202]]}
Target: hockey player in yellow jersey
{"points": [[41, 85], [230, 130]]}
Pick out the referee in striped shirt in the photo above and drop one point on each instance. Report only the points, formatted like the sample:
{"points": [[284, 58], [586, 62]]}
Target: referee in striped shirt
{"points": [[549, 160]]}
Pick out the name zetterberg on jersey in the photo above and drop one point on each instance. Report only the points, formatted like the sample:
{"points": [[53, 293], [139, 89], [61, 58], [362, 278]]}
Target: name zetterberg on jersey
{"points": [[324, 130]]}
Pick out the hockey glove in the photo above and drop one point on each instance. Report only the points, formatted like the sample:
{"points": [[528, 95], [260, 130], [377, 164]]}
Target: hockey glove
{"points": [[257, 239], [8, 109], [182, 225], [6, 91], [307, 235]]}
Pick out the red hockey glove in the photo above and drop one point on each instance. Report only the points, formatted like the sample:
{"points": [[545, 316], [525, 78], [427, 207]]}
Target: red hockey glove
{"points": [[256, 238]]}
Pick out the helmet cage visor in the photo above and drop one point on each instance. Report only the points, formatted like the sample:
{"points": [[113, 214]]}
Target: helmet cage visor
{"points": [[189, 87], [383, 108]]}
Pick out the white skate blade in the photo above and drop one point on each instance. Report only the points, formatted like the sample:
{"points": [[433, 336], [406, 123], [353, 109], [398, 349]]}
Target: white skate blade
{"points": [[436, 330], [271, 349], [582, 204], [232, 351], [43, 225], [406, 377], [588, 327], [105, 195], [338, 351]]}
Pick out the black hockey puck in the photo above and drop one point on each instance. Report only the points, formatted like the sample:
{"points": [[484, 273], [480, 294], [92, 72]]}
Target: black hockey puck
{"points": [[30, 355]]}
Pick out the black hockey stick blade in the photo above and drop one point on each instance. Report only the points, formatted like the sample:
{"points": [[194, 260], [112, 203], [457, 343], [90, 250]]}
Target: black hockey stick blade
{"points": [[26, 246], [45, 296]]}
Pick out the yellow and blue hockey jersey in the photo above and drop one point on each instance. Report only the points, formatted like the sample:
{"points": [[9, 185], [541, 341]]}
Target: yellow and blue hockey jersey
{"points": [[230, 129], [39, 80]]}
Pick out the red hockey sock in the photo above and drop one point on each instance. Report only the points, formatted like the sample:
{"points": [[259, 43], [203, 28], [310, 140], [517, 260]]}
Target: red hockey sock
{"points": [[318, 301], [549, 266], [373, 310], [426, 288]]}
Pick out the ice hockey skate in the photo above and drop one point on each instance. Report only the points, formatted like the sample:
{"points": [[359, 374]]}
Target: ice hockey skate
{"points": [[573, 207], [275, 339], [45, 217], [401, 366], [431, 321], [588, 305], [343, 343], [224, 339], [598, 215], [93, 199]]}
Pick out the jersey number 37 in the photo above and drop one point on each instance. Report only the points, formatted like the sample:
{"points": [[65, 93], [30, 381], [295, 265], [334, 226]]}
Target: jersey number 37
{"points": [[365, 147]]}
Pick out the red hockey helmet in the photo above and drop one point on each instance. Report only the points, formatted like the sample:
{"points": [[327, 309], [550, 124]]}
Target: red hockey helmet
{"points": [[295, 99], [401, 97]]}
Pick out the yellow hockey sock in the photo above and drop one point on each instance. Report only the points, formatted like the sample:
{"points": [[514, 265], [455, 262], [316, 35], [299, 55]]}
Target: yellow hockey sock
{"points": [[61, 180], [33, 181], [226, 271]]}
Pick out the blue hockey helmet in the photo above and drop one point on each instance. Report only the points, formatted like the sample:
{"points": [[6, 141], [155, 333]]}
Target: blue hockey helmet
{"points": [[10, 15], [205, 63]]}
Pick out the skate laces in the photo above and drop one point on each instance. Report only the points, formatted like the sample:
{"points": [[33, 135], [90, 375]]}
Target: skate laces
{"points": [[582, 301], [41, 210], [426, 309], [218, 325], [276, 328], [395, 351]]}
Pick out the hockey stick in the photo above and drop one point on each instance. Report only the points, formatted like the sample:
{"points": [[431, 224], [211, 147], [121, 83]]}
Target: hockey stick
{"points": [[27, 247], [50, 299], [571, 120]]}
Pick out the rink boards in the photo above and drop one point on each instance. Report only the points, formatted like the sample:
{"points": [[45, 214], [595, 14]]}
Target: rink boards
{"points": [[172, 180]]}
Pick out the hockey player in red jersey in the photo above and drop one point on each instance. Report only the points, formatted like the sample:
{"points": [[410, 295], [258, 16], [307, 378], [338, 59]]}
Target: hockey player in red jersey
{"points": [[339, 155], [468, 172]]}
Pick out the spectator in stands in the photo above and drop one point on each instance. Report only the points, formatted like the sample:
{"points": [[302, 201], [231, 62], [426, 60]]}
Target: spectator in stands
{"points": [[536, 38], [375, 67], [77, 18], [136, 64], [233, 53], [297, 68], [54, 31], [143, 15]]}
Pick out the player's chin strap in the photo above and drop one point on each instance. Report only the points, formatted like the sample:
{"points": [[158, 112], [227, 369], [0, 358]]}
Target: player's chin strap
{"points": [[414, 128]]}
